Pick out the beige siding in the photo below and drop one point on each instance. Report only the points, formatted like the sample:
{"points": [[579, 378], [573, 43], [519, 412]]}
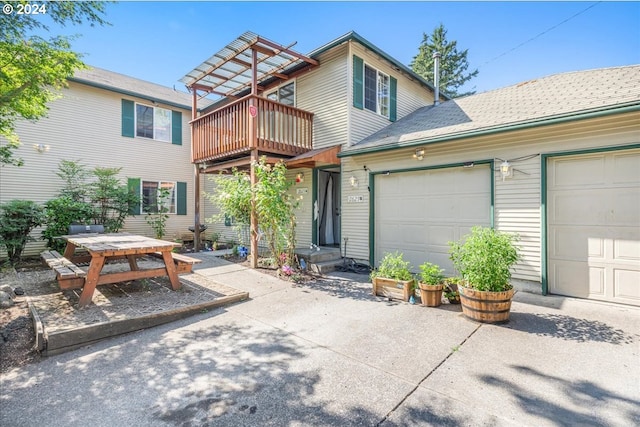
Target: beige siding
{"points": [[303, 194], [410, 96], [85, 125], [210, 213], [517, 199], [323, 91]]}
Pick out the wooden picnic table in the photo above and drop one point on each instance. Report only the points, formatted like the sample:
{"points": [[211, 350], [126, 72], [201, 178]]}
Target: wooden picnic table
{"points": [[101, 247]]}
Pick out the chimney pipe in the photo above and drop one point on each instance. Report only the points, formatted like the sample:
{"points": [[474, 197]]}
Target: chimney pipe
{"points": [[436, 77]]}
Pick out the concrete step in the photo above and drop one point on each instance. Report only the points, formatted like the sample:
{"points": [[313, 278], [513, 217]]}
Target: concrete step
{"points": [[314, 256], [324, 267]]}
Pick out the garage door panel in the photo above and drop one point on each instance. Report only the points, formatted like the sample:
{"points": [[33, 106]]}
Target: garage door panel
{"points": [[579, 207], [625, 169], [578, 172], [593, 212], [626, 285], [626, 250], [625, 208]]}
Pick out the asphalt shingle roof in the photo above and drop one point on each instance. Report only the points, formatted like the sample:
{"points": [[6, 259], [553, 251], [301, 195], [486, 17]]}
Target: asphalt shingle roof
{"points": [[535, 100], [121, 83]]}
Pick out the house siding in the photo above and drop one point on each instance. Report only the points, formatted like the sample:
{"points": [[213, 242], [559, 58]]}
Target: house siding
{"points": [[85, 125], [411, 95], [517, 200], [323, 91]]}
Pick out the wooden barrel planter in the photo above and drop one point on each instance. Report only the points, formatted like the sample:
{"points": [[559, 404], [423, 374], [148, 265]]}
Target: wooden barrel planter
{"points": [[485, 306], [431, 295]]}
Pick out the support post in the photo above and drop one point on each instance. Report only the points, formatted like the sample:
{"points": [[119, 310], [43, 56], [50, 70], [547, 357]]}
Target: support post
{"points": [[196, 178], [254, 158]]}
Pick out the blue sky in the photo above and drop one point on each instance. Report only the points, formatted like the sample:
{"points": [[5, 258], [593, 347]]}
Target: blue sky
{"points": [[509, 42]]}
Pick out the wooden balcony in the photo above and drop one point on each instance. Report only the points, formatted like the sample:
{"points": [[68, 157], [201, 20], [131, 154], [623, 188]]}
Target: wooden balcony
{"points": [[225, 134]]}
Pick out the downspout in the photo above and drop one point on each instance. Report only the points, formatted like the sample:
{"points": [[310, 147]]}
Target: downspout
{"points": [[436, 78]]}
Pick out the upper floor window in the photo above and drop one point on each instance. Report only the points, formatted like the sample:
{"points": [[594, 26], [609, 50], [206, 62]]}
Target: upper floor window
{"points": [[146, 121], [284, 94], [376, 91], [153, 122]]}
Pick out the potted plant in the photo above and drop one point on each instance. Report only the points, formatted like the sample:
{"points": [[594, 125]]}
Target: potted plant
{"points": [[393, 278], [484, 259], [450, 289], [430, 284]]}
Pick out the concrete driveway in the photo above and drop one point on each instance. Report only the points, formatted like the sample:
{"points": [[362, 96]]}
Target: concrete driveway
{"points": [[334, 355]]}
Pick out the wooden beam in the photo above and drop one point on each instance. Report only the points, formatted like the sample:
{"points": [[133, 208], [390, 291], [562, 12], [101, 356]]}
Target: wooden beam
{"points": [[240, 61], [287, 50], [264, 50]]}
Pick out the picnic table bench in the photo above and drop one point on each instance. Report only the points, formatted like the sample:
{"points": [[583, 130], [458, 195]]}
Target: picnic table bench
{"points": [[103, 247], [68, 275]]}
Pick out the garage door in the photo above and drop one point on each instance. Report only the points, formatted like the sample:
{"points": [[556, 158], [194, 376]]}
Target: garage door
{"points": [[593, 219], [418, 213]]}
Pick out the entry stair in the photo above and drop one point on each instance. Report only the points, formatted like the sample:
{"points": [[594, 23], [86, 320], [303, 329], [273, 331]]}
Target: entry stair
{"points": [[320, 259]]}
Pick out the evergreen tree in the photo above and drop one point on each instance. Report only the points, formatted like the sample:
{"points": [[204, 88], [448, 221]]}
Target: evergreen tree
{"points": [[453, 64]]}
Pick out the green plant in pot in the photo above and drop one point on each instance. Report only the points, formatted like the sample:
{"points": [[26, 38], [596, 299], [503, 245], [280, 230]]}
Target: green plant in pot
{"points": [[484, 259], [450, 289], [430, 284], [393, 277]]}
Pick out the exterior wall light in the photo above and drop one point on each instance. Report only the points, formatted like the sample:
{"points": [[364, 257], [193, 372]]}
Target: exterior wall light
{"points": [[505, 169], [299, 177], [41, 148], [353, 181], [419, 154]]}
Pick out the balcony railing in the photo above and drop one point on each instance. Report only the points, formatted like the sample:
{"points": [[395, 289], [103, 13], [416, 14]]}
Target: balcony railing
{"points": [[225, 133]]}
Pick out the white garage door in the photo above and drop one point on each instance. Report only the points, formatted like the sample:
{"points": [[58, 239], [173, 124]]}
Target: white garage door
{"points": [[418, 213], [594, 226]]}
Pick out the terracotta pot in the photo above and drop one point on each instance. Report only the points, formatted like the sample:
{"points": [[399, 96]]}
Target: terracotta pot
{"points": [[431, 295]]}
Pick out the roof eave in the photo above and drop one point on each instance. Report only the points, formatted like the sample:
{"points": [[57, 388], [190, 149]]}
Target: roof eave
{"points": [[130, 93], [353, 36], [546, 121]]}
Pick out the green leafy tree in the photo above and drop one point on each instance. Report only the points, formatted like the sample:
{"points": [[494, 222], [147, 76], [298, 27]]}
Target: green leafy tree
{"points": [[17, 219], [274, 205], [275, 208], [453, 63], [111, 199], [33, 69]]}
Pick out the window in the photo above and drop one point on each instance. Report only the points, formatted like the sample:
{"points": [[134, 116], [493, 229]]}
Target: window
{"points": [[284, 94], [153, 122], [157, 195], [376, 91], [145, 121]]}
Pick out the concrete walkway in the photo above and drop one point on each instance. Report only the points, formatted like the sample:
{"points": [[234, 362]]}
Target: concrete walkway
{"points": [[334, 355]]}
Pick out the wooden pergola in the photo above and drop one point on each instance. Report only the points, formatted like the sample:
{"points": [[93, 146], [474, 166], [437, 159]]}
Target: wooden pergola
{"points": [[246, 125]]}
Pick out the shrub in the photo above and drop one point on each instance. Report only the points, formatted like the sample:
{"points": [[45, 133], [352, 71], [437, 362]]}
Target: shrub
{"points": [[430, 274], [60, 214], [393, 266], [17, 219], [484, 258]]}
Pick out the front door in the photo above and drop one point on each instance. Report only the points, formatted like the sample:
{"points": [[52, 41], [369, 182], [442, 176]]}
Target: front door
{"points": [[328, 207]]}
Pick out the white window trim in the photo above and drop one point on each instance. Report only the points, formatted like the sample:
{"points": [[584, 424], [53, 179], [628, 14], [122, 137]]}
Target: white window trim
{"points": [[364, 86], [135, 122], [159, 182]]}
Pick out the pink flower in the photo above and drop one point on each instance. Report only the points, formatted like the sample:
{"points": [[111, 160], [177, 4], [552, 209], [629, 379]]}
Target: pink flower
{"points": [[287, 270]]}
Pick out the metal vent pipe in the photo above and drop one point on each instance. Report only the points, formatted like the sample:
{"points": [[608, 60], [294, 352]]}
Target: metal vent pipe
{"points": [[436, 77]]}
